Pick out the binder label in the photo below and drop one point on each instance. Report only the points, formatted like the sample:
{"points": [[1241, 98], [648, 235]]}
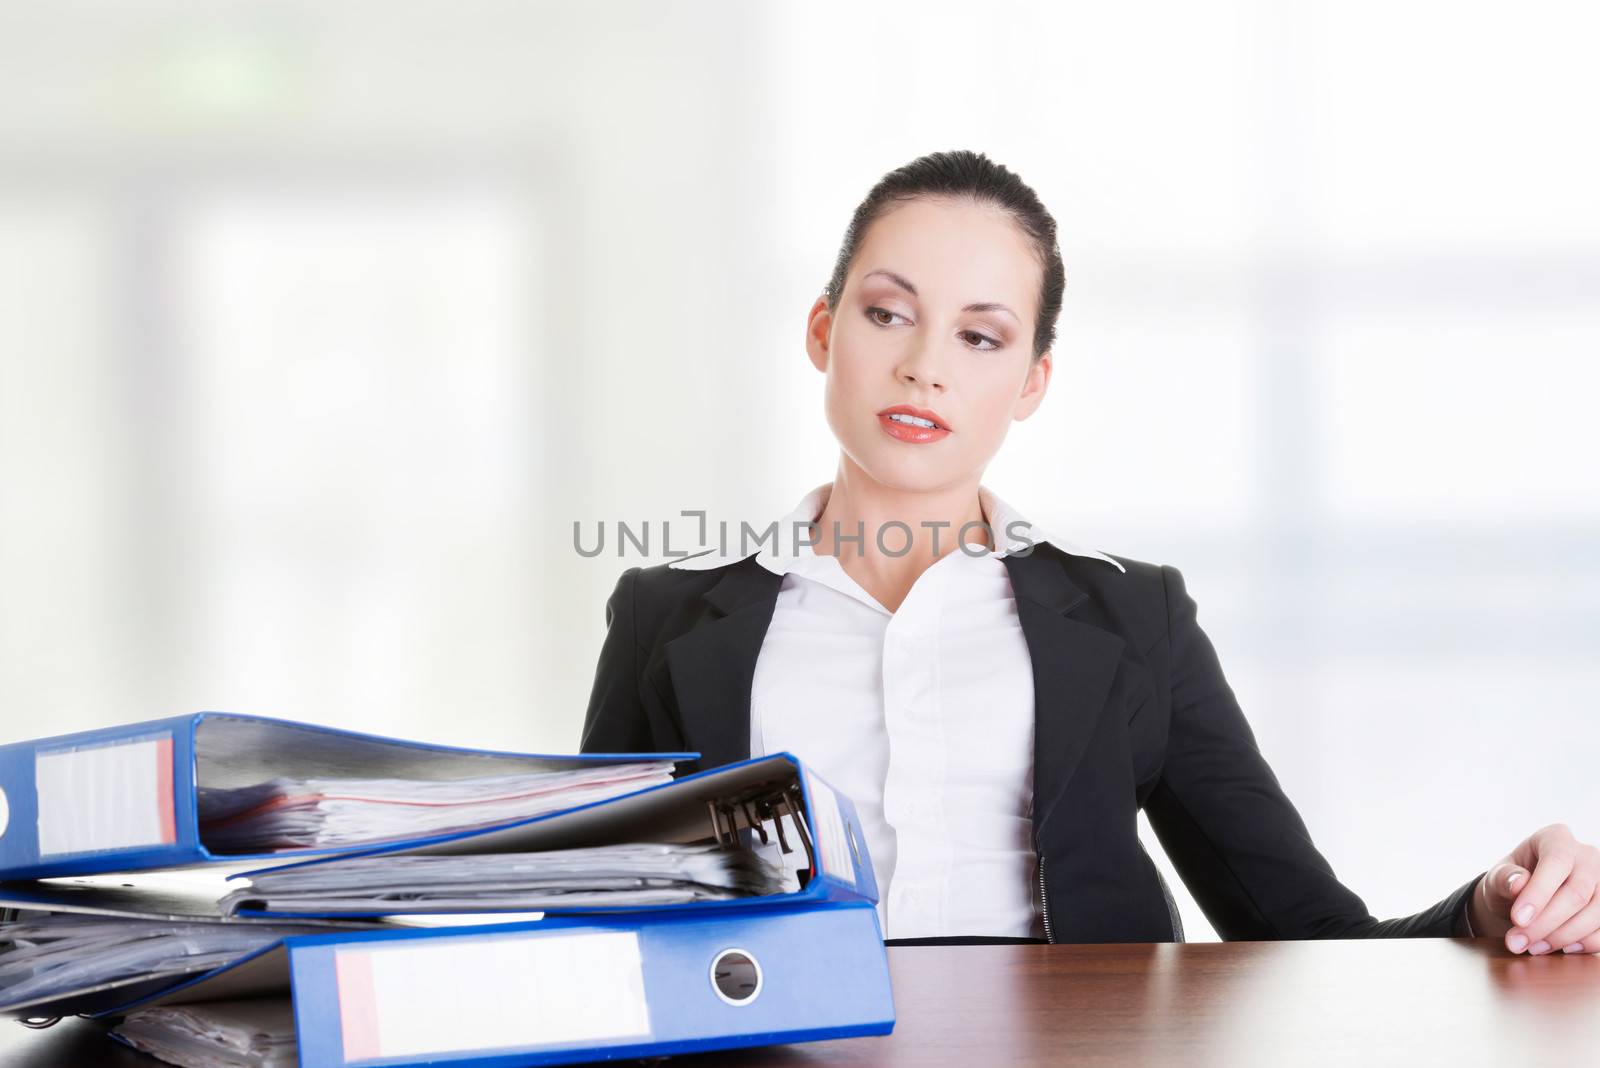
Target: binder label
{"points": [[424, 997], [112, 795], [834, 846]]}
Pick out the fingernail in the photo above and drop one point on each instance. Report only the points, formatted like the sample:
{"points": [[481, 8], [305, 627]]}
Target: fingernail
{"points": [[1516, 878], [1540, 946], [1576, 947], [1524, 914], [1517, 942]]}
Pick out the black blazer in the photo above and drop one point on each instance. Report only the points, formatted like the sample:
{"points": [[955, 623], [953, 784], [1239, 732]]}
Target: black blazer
{"points": [[1131, 711]]}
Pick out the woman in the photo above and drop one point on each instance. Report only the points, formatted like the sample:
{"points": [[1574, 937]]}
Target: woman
{"points": [[997, 701]]}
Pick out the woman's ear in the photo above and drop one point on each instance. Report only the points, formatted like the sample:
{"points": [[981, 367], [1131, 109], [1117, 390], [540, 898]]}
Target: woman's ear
{"points": [[1033, 387], [819, 328]]}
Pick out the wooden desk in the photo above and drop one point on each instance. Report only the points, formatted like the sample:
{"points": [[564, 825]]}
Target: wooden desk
{"points": [[1381, 1001]]}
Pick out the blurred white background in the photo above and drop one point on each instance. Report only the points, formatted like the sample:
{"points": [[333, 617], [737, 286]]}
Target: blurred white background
{"points": [[321, 324]]}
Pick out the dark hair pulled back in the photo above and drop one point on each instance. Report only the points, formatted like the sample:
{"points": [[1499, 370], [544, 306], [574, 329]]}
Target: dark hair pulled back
{"points": [[973, 176]]}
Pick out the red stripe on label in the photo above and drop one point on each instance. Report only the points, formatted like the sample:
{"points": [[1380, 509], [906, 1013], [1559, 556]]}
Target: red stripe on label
{"points": [[358, 1005], [164, 798]]}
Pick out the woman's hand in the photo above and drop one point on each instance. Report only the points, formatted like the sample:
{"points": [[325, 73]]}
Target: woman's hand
{"points": [[1557, 908]]}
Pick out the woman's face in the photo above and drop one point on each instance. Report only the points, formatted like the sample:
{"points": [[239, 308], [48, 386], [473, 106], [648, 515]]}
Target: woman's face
{"points": [[937, 314]]}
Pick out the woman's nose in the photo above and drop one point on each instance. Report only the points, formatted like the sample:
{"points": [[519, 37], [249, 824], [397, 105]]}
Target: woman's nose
{"points": [[922, 366]]}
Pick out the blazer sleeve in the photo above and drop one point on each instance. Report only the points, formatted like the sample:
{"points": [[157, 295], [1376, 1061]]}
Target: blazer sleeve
{"points": [[1232, 834], [615, 721]]}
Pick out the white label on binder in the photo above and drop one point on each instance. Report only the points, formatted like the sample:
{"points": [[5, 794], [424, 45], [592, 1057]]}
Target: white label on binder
{"points": [[116, 795], [830, 829], [455, 995]]}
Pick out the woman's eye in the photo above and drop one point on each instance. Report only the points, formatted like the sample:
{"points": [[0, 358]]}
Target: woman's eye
{"points": [[975, 338], [873, 313]]}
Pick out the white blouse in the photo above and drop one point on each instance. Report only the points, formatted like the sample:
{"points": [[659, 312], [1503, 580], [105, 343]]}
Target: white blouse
{"points": [[922, 716]]}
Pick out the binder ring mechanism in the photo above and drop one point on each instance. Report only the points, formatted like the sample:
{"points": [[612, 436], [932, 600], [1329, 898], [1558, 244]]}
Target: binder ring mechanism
{"points": [[759, 804]]}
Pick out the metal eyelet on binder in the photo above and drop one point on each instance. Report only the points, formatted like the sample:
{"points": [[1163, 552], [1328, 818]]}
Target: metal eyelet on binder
{"points": [[736, 976]]}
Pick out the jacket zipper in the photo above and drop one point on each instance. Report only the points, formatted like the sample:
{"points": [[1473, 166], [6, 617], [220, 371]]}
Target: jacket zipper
{"points": [[1172, 906], [1044, 903], [1173, 918]]}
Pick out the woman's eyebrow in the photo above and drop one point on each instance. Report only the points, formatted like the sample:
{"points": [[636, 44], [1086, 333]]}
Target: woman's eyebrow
{"points": [[982, 306], [896, 279], [990, 305]]}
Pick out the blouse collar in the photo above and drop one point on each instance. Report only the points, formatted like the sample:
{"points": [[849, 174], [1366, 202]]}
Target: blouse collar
{"points": [[782, 547]]}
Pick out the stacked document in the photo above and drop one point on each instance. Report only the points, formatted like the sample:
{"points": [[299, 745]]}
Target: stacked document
{"points": [[662, 900], [53, 955], [247, 1033], [213, 787], [616, 876], [562, 990], [284, 813], [760, 833]]}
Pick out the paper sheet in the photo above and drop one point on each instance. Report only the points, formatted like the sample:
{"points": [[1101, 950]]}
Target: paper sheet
{"points": [[252, 1033], [55, 954], [286, 813], [638, 873]]}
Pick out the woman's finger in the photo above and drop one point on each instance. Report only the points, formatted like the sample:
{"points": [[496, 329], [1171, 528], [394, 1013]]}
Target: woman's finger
{"points": [[1552, 870], [1501, 884], [1568, 900], [1583, 927]]}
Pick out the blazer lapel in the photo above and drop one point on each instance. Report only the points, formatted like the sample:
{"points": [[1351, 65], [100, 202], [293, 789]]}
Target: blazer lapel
{"points": [[1074, 664], [713, 664]]}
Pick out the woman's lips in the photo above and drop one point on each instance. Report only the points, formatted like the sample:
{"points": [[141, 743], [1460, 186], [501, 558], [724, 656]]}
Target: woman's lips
{"points": [[916, 435]]}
